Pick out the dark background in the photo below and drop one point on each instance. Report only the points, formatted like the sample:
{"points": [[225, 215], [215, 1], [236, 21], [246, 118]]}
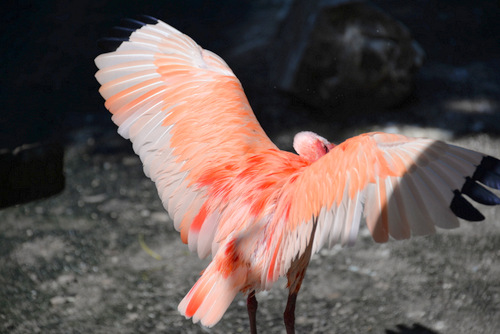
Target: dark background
{"points": [[48, 50]]}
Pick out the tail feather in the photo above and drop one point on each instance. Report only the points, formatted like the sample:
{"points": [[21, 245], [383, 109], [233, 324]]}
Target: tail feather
{"points": [[209, 298]]}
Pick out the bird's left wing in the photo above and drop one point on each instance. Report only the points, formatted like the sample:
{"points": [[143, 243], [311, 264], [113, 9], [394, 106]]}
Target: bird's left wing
{"points": [[400, 186], [187, 116]]}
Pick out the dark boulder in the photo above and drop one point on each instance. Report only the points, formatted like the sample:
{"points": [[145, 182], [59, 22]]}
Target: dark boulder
{"points": [[331, 53]]}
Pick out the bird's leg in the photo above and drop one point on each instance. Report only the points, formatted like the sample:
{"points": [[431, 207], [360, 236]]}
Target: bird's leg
{"points": [[295, 276], [289, 315], [252, 312]]}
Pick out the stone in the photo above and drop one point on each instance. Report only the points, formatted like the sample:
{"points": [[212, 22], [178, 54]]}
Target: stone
{"points": [[332, 53]]}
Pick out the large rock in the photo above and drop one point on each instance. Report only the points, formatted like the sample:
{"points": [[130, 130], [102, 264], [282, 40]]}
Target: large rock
{"points": [[331, 53]]}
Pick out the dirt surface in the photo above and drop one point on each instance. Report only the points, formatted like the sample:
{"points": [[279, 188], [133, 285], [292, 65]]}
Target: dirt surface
{"points": [[77, 262]]}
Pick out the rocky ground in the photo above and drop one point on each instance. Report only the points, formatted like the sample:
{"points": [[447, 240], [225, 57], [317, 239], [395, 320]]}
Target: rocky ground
{"points": [[103, 257]]}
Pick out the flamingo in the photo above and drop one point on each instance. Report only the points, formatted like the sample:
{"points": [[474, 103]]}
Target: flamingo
{"points": [[261, 212]]}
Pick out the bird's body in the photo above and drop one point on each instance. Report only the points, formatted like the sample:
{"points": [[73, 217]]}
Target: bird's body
{"points": [[258, 211]]}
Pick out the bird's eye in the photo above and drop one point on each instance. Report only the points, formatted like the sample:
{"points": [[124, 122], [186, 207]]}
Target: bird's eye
{"points": [[326, 148]]}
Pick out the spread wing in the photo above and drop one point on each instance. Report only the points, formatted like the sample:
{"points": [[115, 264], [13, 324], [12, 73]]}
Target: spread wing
{"points": [[187, 117], [400, 186]]}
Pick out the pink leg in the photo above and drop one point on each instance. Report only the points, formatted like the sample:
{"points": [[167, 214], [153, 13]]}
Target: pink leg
{"points": [[252, 312]]}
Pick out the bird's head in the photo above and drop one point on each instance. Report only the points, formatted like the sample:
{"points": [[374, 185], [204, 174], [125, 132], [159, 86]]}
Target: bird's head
{"points": [[311, 146]]}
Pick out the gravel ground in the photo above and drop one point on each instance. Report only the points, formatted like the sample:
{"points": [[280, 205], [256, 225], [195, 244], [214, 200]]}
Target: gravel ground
{"points": [[76, 262]]}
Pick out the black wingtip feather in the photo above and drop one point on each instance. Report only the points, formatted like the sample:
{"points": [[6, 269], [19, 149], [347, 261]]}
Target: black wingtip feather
{"points": [[463, 209], [492, 164], [148, 19], [121, 34], [110, 44], [478, 193], [132, 23], [488, 172]]}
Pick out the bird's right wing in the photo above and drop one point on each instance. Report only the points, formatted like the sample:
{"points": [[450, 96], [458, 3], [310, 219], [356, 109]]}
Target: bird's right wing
{"points": [[188, 119], [400, 186]]}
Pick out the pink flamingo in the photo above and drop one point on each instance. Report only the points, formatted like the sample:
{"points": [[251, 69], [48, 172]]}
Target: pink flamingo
{"points": [[259, 211]]}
